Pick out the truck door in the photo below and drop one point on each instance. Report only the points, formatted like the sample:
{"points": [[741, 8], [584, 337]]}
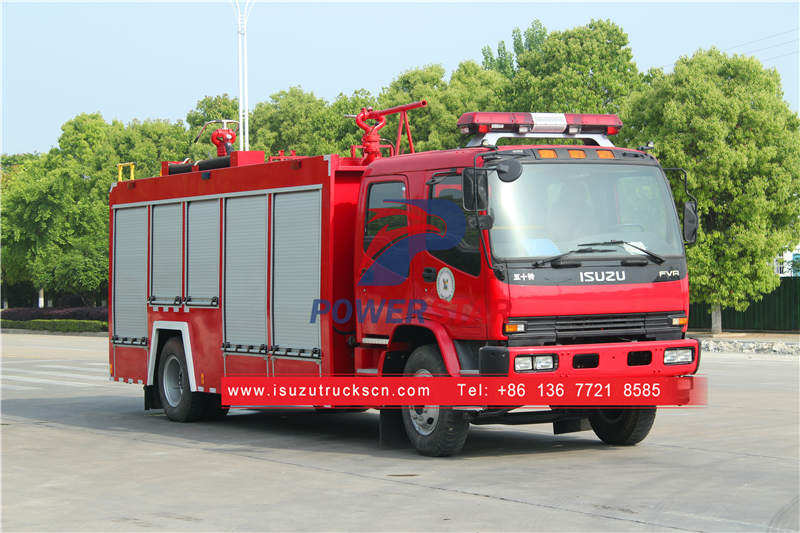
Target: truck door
{"points": [[383, 290], [448, 274]]}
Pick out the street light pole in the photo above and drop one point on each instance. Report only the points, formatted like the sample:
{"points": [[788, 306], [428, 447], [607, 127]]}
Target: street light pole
{"points": [[242, 14]]}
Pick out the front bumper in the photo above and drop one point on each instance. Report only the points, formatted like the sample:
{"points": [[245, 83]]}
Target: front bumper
{"points": [[622, 359]]}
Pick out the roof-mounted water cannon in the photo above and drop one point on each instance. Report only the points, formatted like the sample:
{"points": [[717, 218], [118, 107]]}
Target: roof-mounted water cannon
{"points": [[371, 141], [489, 127], [223, 138]]}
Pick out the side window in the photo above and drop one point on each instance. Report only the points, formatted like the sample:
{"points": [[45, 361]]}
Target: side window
{"points": [[384, 215], [464, 256]]}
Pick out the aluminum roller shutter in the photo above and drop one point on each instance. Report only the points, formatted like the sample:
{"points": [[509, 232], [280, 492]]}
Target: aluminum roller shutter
{"points": [[245, 299], [130, 272], [296, 265], [202, 254], [167, 228]]}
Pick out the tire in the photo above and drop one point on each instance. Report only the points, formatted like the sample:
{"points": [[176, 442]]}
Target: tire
{"points": [[179, 402], [434, 431], [213, 408], [622, 427]]}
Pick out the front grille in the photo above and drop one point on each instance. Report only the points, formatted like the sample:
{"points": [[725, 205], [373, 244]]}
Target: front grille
{"points": [[599, 328]]}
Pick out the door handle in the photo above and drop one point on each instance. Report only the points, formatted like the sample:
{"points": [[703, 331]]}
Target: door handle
{"points": [[429, 274]]}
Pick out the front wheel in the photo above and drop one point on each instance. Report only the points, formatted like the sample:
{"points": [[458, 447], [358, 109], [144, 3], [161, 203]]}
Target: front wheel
{"points": [[434, 431], [622, 427]]}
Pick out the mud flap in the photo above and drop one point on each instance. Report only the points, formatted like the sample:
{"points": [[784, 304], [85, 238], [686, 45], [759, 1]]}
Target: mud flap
{"points": [[151, 398], [391, 431], [571, 425]]}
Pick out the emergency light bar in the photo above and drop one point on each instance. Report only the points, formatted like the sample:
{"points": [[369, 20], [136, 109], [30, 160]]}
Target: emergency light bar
{"points": [[487, 122]]}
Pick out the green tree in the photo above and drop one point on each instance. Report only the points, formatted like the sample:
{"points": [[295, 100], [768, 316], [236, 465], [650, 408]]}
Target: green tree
{"points": [[506, 62], [343, 128], [294, 120], [724, 120], [795, 266], [210, 108], [471, 88], [15, 243], [56, 211], [588, 69], [425, 83], [150, 142]]}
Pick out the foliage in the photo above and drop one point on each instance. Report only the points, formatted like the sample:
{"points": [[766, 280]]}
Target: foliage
{"points": [[62, 326], [298, 120], [71, 313], [724, 120], [55, 207], [588, 69], [208, 108], [470, 88], [507, 62], [720, 117]]}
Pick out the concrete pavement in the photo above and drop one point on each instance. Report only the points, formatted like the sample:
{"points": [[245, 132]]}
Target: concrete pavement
{"points": [[79, 453]]}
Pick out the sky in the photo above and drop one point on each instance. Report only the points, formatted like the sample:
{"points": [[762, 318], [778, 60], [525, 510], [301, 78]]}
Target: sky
{"points": [[156, 60]]}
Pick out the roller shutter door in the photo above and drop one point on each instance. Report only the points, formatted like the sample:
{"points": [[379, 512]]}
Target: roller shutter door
{"points": [[296, 266], [245, 298], [130, 272], [167, 228], [202, 254]]}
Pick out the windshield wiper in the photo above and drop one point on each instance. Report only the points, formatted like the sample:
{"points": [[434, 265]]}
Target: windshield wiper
{"points": [[541, 262], [654, 257]]}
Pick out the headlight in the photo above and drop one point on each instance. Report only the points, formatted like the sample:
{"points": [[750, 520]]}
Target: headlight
{"points": [[523, 363], [544, 362], [539, 363], [678, 356]]}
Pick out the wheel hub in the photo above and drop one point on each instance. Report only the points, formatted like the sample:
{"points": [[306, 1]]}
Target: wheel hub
{"points": [[173, 381], [424, 418]]}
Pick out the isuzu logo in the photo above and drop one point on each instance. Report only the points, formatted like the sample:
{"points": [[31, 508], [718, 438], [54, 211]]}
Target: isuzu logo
{"points": [[600, 276]]}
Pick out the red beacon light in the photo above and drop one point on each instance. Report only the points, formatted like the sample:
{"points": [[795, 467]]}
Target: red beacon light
{"points": [[522, 123], [584, 123], [484, 122]]}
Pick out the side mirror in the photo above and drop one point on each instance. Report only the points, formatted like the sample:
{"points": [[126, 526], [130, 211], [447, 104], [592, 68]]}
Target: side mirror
{"points": [[475, 185], [508, 170], [690, 222]]}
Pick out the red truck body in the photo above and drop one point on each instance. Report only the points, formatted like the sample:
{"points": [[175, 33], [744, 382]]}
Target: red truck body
{"points": [[258, 268]]}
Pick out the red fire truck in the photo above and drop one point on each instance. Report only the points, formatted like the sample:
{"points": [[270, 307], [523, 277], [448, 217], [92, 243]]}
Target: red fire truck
{"points": [[534, 259]]}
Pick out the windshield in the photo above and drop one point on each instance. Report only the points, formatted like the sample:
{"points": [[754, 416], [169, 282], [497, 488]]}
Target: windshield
{"points": [[553, 208]]}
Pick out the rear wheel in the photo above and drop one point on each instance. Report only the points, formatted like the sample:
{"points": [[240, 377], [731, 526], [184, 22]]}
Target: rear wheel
{"points": [[622, 427], [433, 430], [179, 402]]}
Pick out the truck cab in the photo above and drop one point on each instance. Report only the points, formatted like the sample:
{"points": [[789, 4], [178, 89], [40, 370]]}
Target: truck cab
{"points": [[520, 259]]}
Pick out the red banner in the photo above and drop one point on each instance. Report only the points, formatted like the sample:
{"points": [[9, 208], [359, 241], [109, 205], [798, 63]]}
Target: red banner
{"points": [[469, 391]]}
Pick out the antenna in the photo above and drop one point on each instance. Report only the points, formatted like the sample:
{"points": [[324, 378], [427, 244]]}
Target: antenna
{"points": [[242, 14]]}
